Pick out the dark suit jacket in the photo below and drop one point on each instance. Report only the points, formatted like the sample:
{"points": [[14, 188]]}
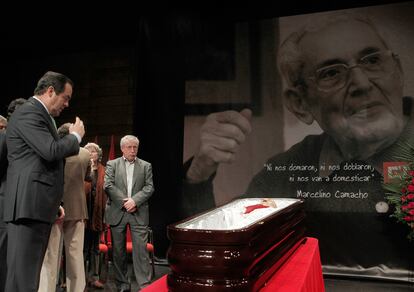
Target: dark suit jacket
{"points": [[3, 170], [36, 160], [116, 188]]}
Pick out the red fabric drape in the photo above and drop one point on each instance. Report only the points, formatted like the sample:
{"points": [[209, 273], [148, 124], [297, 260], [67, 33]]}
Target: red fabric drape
{"points": [[111, 153], [96, 222], [302, 272]]}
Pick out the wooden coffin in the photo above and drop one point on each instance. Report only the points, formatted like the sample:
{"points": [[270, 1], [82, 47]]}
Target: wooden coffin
{"points": [[225, 249]]}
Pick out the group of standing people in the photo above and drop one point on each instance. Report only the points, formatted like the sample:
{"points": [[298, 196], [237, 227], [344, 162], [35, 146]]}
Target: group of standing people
{"points": [[54, 193]]}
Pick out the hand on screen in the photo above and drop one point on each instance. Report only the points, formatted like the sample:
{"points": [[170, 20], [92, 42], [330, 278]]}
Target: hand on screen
{"points": [[220, 138]]}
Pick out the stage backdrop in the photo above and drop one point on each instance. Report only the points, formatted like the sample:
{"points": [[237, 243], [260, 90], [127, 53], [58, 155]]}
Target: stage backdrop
{"points": [[284, 157]]}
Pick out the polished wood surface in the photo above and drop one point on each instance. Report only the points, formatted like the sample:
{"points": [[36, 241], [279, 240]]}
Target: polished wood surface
{"points": [[233, 260]]}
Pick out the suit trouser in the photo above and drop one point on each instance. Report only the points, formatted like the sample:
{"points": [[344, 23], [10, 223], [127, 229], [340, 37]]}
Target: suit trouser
{"points": [[26, 247], [91, 253], [140, 257], [3, 254], [72, 234]]}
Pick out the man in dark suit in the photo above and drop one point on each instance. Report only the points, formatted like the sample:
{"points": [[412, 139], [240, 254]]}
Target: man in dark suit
{"points": [[3, 171], [71, 231], [3, 226], [35, 177], [128, 184]]}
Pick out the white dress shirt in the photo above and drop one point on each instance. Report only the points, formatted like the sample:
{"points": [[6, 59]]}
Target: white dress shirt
{"points": [[129, 167]]}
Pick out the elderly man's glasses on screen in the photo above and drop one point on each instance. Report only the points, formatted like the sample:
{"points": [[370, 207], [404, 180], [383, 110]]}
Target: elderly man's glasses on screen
{"points": [[334, 77]]}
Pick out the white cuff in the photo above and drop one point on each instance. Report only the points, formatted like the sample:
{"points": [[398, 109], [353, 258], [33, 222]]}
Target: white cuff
{"points": [[77, 137]]}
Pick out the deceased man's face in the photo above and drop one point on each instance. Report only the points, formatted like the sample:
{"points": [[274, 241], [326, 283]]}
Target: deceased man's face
{"points": [[354, 89]]}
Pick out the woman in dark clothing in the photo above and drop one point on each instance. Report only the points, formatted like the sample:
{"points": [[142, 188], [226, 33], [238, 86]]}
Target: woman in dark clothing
{"points": [[96, 200]]}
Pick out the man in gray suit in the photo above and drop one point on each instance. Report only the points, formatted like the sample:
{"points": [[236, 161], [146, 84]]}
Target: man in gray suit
{"points": [[128, 184], [35, 178]]}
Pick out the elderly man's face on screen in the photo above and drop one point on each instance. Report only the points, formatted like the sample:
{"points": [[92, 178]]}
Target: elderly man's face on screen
{"points": [[353, 84]]}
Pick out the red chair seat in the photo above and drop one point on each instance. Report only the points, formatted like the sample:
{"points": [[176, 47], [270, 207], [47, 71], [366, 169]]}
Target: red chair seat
{"points": [[107, 245], [150, 247], [103, 248]]}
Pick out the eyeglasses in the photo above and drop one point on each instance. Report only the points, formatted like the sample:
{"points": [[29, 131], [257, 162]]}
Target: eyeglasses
{"points": [[336, 76]]}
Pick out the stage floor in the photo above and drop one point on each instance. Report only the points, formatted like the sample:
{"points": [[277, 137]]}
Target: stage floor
{"points": [[341, 285], [331, 285]]}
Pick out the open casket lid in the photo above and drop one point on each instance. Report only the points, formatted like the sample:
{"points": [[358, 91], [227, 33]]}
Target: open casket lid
{"points": [[229, 223]]}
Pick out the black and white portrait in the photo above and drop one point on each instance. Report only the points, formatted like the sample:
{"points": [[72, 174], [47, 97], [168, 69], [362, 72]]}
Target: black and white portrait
{"points": [[336, 100]]}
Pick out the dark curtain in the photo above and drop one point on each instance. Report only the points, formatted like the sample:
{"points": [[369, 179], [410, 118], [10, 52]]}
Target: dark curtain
{"points": [[159, 117]]}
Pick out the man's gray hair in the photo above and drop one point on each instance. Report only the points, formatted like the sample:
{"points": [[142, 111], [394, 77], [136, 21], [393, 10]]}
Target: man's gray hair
{"points": [[128, 138], [291, 60]]}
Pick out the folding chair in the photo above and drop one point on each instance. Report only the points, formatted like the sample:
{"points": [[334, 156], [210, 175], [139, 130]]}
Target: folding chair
{"points": [[150, 247], [106, 246]]}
